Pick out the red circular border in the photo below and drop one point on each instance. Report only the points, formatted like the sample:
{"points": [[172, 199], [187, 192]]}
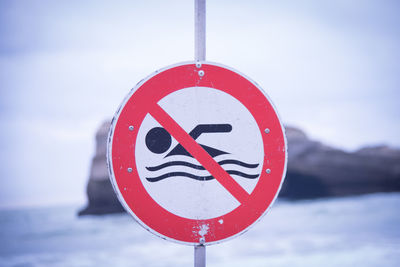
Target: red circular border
{"points": [[121, 156]]}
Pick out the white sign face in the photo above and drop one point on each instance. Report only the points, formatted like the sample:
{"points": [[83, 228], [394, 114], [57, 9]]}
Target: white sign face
{"points": [[224, 128]]}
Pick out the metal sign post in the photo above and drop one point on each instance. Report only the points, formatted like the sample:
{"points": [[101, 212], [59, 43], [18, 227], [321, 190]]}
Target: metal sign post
{"points": [[200, 30], [200, 256], [200, 55]]}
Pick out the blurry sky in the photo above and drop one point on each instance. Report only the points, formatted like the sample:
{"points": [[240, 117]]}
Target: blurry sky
{"points": [[330, 67]]}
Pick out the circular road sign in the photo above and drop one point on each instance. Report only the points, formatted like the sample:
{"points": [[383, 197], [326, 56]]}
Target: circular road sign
{"points": [[197, 153]]}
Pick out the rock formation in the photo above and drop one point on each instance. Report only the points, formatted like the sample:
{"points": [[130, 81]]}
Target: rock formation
{"points": [[101, 196], [314, 170], [317, 170]]}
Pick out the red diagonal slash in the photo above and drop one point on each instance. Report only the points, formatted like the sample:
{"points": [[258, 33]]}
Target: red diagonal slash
{"points": [[199, 153]]}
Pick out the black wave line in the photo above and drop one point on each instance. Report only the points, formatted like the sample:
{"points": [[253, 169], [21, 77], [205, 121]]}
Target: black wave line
{"points": [[175, 163], [244, 175], [237, 162], [199, 167], [199, 178]]}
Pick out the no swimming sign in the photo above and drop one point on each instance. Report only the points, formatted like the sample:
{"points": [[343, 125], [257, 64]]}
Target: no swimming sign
{"points": [[197, 153]]}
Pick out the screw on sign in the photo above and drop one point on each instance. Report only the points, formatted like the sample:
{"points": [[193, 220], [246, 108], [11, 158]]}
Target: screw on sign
{"points": [[197, 153]]}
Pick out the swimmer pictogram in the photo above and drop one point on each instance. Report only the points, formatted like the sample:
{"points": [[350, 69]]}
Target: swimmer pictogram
{"points": [[159, 141]]}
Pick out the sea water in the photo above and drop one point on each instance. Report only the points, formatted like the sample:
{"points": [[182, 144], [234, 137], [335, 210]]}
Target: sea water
{"points": [[353, 231]]}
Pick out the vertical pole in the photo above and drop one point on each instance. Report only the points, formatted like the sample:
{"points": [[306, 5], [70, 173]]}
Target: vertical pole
{"points": [[200, 256], [200, 30], [200, 55]]}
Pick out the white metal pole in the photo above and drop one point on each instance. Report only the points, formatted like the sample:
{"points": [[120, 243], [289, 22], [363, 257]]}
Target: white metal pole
{"points": [[200, 30], [200, 55], [200, 256]]}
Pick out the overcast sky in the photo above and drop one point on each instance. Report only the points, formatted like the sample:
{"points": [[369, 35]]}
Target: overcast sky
{"points": [[330, 67]]}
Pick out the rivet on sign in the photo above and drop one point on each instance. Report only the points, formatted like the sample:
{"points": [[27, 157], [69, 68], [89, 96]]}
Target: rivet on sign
{"points": [[268, 170], [198, 64], [201, 73], [266, 130], [129, 169], [202, 240], [131, 128]]}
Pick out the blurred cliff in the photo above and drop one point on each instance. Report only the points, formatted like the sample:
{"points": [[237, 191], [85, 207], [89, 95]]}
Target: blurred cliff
{"points": [[100, 194], [314, 170]]}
